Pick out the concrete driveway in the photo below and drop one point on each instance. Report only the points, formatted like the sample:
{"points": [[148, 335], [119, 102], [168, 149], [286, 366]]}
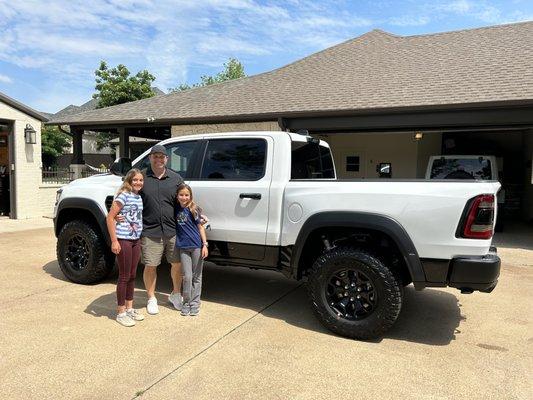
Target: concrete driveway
{"points": [[255, 338]]}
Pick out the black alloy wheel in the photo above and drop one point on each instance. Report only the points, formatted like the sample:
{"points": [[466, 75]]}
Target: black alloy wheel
{"points": [[354, 293], [82, 253], [77, 253], [351, 295]]}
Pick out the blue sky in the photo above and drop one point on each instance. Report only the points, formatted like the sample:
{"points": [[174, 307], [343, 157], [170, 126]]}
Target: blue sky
{"points": [[50, 49]]}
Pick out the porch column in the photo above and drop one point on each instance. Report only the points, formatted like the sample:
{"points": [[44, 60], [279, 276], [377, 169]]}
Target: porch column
{"points": [[124, 142], [78, 163]]}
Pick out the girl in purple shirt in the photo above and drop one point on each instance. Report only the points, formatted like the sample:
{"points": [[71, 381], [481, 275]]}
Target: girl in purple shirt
{"points": [[192, 245]]}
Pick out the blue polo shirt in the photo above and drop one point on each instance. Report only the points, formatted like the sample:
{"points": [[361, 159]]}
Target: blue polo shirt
{"points": [[187, 232]]}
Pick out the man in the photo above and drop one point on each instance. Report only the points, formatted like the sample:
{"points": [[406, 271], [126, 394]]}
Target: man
{"points": [[159, 226]]}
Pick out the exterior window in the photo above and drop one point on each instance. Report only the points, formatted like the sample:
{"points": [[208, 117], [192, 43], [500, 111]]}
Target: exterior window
{"points": [[235, 159], [352, 163], [311, 161]]}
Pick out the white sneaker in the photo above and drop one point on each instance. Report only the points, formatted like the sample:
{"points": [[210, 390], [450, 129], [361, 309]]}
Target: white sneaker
{"points": [[135, 315], [125, 320], [176, 300], [151, 306]]}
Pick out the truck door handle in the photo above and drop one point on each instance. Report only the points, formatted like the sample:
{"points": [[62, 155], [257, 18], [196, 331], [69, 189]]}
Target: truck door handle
{"points": [[253, 196]]}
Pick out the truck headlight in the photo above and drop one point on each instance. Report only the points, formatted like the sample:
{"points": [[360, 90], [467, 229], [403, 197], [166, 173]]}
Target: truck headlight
{"points": [[58, 195]]}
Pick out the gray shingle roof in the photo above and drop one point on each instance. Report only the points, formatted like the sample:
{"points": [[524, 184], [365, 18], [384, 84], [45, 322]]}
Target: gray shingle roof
{"points": [[377, 70], [87, 106]]}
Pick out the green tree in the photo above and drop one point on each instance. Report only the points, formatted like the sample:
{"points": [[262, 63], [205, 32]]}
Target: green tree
{"points": [[233, 69], [117, 86], [53, 144]]}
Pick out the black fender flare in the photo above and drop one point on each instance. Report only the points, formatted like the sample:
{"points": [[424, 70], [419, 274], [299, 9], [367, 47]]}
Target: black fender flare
{"points": [[80, 203], [371, 221]]}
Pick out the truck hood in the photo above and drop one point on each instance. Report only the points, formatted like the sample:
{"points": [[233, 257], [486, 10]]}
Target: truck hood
{"points": [[100, 179]]}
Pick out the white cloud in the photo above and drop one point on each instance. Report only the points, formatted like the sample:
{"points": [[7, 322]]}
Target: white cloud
{"points": [[408, 20], [67, 39], [5, 79], [457, 6]]}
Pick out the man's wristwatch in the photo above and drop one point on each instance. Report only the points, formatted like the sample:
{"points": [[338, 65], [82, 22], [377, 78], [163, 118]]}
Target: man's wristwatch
{"points": [[205, 244]]}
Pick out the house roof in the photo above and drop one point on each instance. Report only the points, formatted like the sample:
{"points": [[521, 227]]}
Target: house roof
{"points": [[21, 107], [87, 106], [377, 70]]}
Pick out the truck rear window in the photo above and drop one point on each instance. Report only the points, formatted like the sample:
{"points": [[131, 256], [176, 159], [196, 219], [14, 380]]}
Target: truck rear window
{"points": [[311, 161], [461, 168]]}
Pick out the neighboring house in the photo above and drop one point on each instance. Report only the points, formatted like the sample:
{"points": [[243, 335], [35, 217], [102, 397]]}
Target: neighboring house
{"points": [[92, 155], [376, 98], [22, 193]]}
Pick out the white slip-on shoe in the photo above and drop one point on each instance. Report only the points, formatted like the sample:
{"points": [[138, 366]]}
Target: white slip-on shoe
{"points": [[151, 306], [176, 300]]}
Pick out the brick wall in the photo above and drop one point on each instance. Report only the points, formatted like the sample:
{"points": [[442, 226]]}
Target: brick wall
{"points": [[47, 199], [27, 160]]}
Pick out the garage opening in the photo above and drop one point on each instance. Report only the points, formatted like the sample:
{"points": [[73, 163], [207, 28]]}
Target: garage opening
{"points": [[407, 155], [6, 159]]}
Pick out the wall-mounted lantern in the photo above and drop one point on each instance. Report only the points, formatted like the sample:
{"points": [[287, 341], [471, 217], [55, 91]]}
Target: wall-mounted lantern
{"points": [[30, 135]]}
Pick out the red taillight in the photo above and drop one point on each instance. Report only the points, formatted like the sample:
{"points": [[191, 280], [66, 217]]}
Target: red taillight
{"points": [[480, 218]]}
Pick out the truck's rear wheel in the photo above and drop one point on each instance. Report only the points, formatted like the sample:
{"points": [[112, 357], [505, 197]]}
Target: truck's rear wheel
{"points": [[354, 294], [82, 253]]}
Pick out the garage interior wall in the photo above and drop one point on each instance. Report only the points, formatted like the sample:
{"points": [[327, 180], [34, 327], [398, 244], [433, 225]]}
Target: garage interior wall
{"points": [[409, 157], [429, 145]]}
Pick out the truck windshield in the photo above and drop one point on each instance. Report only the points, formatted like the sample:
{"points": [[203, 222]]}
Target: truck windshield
{"points": [[461, 168], [311, 161]]}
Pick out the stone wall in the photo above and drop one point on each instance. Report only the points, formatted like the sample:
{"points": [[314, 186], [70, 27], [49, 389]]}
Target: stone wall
{"points": [[182, 130]]}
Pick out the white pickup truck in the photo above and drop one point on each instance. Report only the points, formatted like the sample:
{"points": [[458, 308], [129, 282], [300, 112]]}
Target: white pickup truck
{"points": [[274, 203]]}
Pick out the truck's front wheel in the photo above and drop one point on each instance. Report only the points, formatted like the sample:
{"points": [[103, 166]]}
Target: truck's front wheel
{"points": [[354, 293], [82, 254]]}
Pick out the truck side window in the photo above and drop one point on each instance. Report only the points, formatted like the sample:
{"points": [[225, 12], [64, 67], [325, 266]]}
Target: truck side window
{"points": [[179, 156], [235, 159], [311, 161]]}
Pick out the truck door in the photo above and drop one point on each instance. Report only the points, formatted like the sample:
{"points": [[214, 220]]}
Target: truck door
{"points": [[232, 188]]}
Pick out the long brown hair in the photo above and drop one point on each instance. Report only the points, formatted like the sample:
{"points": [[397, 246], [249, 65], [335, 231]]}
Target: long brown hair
{"points": [[192, 206], [127, 185]]}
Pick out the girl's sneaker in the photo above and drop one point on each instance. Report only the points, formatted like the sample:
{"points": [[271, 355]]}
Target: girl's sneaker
{"points": [[194, 312], [185, 310], [134, 314], [176, 300], [125, 320]]}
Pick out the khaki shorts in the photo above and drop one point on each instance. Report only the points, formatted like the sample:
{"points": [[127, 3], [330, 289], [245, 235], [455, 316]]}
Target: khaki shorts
{"points": [[153, 249]]}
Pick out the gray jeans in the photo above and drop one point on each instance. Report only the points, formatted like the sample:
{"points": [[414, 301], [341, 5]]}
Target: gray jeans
{"points": [[191, 269]]}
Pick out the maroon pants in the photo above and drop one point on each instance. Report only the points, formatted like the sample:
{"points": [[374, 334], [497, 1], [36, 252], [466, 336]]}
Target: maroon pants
{"points": [[128, 258]]}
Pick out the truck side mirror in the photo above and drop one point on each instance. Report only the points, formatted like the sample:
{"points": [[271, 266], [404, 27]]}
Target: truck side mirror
{"points": [[120, 166], [384, 170]]}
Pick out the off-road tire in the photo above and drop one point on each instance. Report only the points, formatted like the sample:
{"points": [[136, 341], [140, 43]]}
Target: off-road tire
{"points": [[386, 286], [92, 263]]}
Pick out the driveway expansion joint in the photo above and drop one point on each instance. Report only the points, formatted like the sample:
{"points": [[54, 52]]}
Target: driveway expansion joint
{"points": [[141, 392]]}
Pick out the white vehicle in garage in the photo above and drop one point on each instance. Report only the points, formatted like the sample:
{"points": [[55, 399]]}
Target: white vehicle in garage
{"points": [[274, 203]]}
